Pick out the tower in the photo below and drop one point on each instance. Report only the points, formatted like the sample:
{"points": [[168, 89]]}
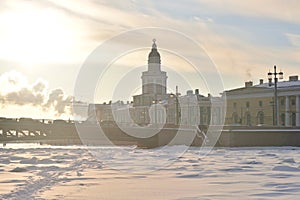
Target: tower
{"points": [[154, 81]]}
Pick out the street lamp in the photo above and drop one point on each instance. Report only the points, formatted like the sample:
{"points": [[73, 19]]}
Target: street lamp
{"points": [[176, 108], [155, 110], [270, 76]]}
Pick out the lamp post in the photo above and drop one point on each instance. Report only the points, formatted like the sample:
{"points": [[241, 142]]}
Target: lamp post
{"points": [[273, 111], [176, 108], [270, 76], [155, 110]]}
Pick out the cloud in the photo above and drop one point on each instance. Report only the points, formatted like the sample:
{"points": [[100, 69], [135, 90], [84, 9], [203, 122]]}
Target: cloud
{"points": [[233, 33], [273, 9], [39, 86], [59, 101], [20, 92], [294, 39], [236, 52], [24, 96], [112, 16]]}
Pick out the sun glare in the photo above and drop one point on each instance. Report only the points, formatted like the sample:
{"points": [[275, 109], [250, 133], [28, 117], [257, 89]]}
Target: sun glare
{"points": [[36, 35]]}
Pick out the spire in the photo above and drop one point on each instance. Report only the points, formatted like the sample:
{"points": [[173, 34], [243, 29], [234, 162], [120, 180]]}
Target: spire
{"points": [[154, 56], [154, 44]]}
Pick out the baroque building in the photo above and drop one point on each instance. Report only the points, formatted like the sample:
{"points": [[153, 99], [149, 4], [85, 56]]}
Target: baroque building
{"points": [[156, 106], [154, 81]]}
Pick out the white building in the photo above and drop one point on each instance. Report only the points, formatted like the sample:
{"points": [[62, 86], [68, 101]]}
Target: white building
{"points": [[155, 106], [154, 81]]}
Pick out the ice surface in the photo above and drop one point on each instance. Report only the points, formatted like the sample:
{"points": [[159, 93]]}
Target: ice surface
{"points": [[286, 168], [75, 172], [18, 169], [289, 160]]}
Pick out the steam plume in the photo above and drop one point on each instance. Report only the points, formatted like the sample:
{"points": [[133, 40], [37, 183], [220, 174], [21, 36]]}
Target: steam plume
{"points": [[15, 90]]}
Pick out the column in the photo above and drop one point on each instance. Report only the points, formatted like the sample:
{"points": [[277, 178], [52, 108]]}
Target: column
{"points": [[298, 110], [278, 113], [287, 111]]}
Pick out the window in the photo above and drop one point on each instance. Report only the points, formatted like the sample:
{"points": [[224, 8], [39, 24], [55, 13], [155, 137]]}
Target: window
{"points": [[293, 102], [260, 118], [235, 118], [282, 102], [247, 104], [282, 119], [248, 119], [260, 103], [293, 119], [234, 105]]}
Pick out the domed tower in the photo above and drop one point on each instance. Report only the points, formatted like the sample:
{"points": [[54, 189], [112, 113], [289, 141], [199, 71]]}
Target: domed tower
{"points": [[154, 80], [154, 56]]}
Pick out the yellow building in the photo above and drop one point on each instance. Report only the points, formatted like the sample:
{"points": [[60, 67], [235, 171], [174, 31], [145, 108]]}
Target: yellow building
{"points": [[254, 104]]}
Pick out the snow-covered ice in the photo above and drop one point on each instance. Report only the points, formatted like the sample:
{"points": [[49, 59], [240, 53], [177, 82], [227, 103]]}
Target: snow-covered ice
{"points": [[31, 171]]}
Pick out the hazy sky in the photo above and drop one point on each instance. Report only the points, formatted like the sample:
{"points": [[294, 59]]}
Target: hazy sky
{"points": [[43, 44]]}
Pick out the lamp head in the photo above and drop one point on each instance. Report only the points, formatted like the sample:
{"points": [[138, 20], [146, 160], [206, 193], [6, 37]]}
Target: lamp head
{"points": [[270, 75], [280, 75]]}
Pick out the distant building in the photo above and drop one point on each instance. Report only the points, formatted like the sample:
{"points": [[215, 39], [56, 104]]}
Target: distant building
{"points": [[254, 104], [100, 112], [155, 106], [154, 81], [196, 109]]}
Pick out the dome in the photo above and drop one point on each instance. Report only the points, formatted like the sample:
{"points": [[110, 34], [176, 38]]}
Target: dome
{"points": [[154, 53], [154, 56]]}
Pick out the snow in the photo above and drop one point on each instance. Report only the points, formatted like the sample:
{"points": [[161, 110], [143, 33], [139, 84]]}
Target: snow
{"points": [[177, 172], [18, 169], [286, 168], [281, 84]]}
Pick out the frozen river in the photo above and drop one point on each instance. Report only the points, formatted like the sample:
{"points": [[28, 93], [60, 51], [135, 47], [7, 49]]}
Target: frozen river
{"points": [[31, 171]]}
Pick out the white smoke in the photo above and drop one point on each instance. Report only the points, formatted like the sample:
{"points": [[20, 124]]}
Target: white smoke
{"points": [[248, 74], [59, 101], [16, 90]]}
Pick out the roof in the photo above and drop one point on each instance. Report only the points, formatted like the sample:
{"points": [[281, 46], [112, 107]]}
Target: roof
{"points": [[265, 86], [264, 90], [247, 89], [282, 84]]}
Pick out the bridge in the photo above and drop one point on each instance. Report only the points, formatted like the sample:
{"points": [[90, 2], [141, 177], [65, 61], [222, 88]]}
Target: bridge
{"points": [[27, 129], [65, 132], [60, 132]]}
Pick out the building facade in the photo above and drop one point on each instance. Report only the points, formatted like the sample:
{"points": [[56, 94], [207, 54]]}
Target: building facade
{"points": [[154, 81], [254, 104], [156, 106]]}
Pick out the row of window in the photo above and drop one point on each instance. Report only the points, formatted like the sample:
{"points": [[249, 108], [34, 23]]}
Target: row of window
{"points": [[247, 118], [293, 102], [261, 118], [260, 103]]}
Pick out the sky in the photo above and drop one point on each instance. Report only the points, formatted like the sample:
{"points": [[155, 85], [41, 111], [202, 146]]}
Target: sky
{"points": [[45, 44]]}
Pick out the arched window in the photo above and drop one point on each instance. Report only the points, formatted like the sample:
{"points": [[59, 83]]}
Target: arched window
{"points": [[293, 119], [248, 119], [260, 117], [282, 119]]}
